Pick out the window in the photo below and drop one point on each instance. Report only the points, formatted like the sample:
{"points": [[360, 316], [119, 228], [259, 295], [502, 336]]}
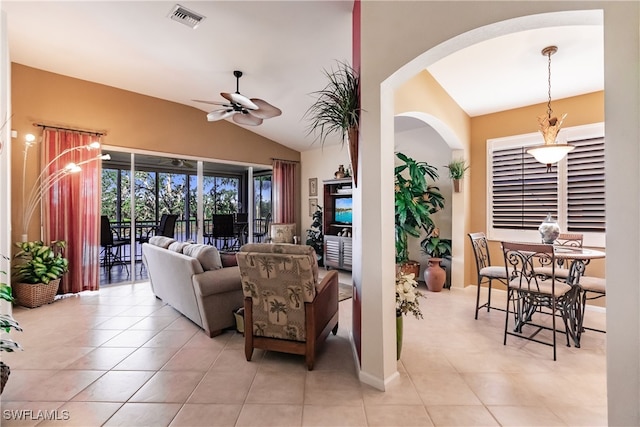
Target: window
{"points": [[521, 191]]}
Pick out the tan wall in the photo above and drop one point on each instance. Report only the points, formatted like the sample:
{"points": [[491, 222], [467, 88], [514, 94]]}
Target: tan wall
{"points": [[130, 120], [582, 110]]}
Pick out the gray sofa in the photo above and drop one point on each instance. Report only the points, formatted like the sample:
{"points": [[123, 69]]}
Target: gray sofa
{"points": [[191, 278]]}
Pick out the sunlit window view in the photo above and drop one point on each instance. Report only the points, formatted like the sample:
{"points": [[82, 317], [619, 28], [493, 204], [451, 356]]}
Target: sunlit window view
{"points": [[165, 202]]}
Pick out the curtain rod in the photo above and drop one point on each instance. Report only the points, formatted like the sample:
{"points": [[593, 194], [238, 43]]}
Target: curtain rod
{"points": [[285, 160], [90, 132]]}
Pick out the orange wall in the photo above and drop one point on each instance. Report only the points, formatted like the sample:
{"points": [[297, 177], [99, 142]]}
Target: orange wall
{"points": [[582, 110], [130, 120]]}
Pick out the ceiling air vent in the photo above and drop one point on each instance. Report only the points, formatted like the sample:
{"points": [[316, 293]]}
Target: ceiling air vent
{"points": [[185, 16]]}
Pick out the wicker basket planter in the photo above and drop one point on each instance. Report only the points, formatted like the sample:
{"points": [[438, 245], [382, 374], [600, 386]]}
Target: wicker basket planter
{"points": [[35, 295]]}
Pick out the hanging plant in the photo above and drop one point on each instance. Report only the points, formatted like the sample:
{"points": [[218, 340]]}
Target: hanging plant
{"points": [[337, 110]]}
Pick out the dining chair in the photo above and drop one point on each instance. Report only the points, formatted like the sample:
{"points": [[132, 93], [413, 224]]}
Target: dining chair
{"points": [[241, 224], [111, 247], [591, 288], [486, 272], [530, 291], [564, 239], [223, 230]]}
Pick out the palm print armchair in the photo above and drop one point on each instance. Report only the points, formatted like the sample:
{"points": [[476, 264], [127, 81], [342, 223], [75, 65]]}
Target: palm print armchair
{"points": [[286, 308]]}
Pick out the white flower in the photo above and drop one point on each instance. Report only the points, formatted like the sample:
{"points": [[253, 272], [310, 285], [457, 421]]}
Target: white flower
{"points": [[407, 295]]}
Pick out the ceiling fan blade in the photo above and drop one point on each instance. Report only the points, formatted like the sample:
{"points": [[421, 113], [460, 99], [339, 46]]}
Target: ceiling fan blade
{"points": [[219, 115], [226, 104], [247, 119], [265, 110], [239, 99]]}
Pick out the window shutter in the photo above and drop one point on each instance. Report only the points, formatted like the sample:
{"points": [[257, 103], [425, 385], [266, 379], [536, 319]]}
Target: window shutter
{"points": [[523, 192], [586, 186]]}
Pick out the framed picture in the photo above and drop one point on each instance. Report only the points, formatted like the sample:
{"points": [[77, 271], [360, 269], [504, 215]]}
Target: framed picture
{"points": [[313, 187], [313, 205]]}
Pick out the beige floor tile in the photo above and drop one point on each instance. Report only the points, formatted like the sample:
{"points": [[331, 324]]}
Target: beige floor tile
{"points": [[102, 358], [277, 387], [147, 359], [397, 415], [22, 381], [444, 388], [206, 415], [222, 387], [130, 338], [152, 323], [333, 388], [467, 416], [399, 392], [500, 389], [84, 414], [61, 386], [119, 322], [191, 359], [144, 414], [256, 415], [168, 386], [525, 416], [169, 339], [114, 386], [334, 415], [586, 415], [56, 357]]}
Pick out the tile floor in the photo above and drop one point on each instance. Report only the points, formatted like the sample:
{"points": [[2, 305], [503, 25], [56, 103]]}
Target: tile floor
{"points": [[122, 357]]}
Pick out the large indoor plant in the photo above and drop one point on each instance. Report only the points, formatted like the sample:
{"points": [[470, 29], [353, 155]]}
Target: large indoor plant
{"points": [[315, 238], [38, 272], [415, 201], [337, 110]]}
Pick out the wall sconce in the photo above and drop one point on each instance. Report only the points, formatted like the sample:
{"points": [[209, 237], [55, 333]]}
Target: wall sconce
{"points": [[551, 151]]}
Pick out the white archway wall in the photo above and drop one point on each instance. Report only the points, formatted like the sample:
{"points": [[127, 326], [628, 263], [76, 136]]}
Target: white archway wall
{"points": [[391, 56]]}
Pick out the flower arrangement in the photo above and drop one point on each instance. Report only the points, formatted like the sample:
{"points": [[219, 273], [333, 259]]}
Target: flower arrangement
{"points": [[407, 295]]}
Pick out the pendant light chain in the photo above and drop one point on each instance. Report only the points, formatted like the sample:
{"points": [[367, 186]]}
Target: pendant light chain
{"points": [[549, 110]]}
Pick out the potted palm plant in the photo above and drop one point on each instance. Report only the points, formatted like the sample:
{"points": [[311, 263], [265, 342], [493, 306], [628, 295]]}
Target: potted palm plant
{"points": [[337, 110], [38, 272], [457, 168], [415, 201]]}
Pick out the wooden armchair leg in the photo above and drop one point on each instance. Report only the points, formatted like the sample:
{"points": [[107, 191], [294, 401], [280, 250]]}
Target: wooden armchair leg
{"points": [[335, 329]]}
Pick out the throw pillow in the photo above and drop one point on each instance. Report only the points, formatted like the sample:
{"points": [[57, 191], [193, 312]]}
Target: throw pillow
{"points": [[161, 241], [207, 255], [178, 246], [228, 259]]}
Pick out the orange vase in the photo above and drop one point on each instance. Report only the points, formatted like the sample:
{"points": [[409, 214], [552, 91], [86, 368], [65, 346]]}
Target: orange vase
{"points": [[434, 275]]}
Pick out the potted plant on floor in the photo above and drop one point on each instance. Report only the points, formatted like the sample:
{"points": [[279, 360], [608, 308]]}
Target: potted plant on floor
{"points": [[6, 324], [337, 110], [38, 272], [314, 235], [457, 168], [415, 201], [437, 248]]}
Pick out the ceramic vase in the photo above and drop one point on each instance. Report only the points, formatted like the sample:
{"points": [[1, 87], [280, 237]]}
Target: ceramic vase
{"points": [[434, 275], [549, 230], [399, 332]]}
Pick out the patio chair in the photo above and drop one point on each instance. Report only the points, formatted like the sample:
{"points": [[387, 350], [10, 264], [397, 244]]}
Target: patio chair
{"points": [[223, 231], [486, 272], [111, 247], [529, 291], [286, 308]]}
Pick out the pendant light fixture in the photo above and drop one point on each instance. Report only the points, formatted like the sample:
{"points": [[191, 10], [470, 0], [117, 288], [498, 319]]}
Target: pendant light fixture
{"points": [[550, 152]]}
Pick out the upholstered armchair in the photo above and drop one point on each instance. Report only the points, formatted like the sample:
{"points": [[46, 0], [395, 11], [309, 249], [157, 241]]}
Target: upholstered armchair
{"points": [[282, 232], [286, 308]]}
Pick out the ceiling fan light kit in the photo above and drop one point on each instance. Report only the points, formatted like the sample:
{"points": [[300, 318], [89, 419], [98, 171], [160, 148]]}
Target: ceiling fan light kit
{"points": [[243, 110]]}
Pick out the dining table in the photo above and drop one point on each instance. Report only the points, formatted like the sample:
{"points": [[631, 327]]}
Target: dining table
{"points": [[578, 258]]}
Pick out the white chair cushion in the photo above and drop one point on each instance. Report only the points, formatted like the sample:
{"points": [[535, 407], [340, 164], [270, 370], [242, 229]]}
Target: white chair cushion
{"points": [[593, 284], [494, 272]]}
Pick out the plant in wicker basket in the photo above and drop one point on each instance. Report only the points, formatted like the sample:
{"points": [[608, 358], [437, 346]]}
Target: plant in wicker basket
{"points": [[38, 272], [6, 324]]}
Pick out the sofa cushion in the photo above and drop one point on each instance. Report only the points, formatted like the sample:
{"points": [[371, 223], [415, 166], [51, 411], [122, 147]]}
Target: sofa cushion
{"points": [[218, 282], [161, 241], [228, 259], [207, 255], [178, 246]]}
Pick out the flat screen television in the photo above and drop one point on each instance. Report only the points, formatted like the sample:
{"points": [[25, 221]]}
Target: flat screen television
{"points": [[343, 210]]}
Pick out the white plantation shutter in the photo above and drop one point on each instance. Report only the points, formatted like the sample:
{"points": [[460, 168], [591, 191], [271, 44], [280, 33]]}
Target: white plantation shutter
{"points": [[585, 186], [523, 191]]}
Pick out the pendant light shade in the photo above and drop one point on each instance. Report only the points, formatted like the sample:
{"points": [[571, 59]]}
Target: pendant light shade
{"points": [[550, 152]]}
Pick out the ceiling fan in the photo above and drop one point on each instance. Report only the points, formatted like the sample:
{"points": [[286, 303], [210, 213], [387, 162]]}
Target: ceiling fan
{"points": [[245, 111], [179, 163]]}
